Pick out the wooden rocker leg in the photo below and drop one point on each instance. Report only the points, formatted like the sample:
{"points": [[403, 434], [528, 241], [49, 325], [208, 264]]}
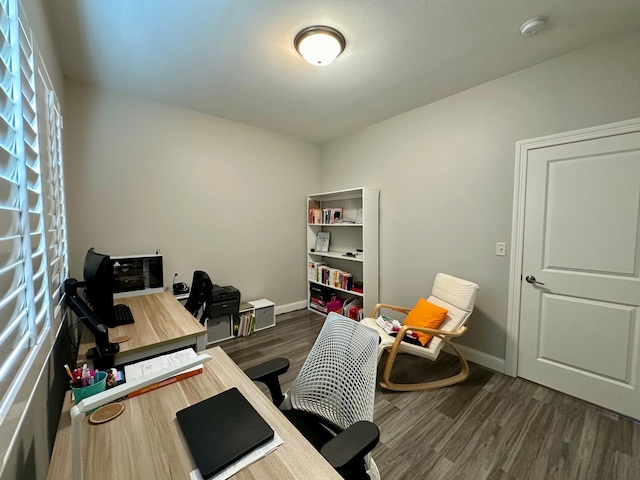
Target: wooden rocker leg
{"points": [[412, 387]]}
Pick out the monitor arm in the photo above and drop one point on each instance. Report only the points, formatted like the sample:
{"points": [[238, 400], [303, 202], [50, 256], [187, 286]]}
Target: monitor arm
{"points": [[104, 351]]}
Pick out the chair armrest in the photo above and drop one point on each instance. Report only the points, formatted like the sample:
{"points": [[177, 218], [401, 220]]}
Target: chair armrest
{"points": [[378, 306], [268, 373], [351, 444], [432, 331], [271, 368]]}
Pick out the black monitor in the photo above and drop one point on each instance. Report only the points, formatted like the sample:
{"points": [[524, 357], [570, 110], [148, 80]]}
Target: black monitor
{"points": [[98, 288]]}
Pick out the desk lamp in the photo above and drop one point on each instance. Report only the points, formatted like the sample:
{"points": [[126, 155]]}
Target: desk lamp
{"points": [[78, 411]]}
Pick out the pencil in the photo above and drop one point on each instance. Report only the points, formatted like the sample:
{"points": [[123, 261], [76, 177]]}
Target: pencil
{"points": [[66, 367]]}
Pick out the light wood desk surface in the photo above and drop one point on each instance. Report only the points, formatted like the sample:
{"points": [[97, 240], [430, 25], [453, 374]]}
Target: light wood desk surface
{"points": [[146, 440], [161, 324]]}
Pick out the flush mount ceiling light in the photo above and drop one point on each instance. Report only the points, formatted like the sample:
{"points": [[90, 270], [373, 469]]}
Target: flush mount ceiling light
{"points": [[533, 26], [319, 45]]}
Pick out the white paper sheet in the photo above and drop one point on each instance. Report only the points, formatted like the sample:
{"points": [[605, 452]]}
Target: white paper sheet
{"points": [[244, 462]]}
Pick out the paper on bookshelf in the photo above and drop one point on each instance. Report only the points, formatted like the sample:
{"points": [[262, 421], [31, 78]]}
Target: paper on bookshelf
{"points": [[248, 459], [138, 370], [359, 217], [322, 241]]}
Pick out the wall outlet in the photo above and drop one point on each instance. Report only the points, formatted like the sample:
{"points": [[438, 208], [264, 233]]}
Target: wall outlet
{"points": [[501, 249]]}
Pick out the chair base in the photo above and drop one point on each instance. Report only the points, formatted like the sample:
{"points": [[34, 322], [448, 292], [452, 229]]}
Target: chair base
{"points": [[414, 387]]}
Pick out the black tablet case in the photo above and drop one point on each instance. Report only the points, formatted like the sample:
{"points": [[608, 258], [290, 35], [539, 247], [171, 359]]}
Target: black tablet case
{"points": [[221, 430]]}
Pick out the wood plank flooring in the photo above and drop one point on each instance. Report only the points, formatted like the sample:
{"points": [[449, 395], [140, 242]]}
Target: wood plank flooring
{"points": [[490, 427]]}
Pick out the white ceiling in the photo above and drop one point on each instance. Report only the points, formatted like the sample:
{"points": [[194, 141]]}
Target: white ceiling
{"points": [[235, 58]]}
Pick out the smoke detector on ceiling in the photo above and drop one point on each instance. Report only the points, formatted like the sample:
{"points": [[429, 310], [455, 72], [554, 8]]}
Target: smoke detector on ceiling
{"points": [[533, 26]]}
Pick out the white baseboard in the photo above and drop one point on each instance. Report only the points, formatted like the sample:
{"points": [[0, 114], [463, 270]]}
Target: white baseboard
{"points": [[291, 307], [481, 358]]}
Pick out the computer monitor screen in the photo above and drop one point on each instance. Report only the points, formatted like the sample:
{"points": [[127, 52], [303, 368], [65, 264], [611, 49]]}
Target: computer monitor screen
{"points": [[98, 290]]}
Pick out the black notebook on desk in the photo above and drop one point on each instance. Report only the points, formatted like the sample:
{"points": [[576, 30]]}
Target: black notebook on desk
{"points": [[222, 429]]}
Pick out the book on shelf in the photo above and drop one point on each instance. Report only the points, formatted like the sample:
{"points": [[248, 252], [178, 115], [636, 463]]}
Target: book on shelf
{"points": [[322, 241], [315, 215], [325, 216], [359, 217], [246, 324], [313, 270], [333, 277], [332, 215], [352, 308], [144, 368]]}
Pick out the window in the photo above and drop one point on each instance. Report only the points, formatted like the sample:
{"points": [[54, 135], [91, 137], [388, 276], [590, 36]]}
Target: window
{"points": [[33, 247]]}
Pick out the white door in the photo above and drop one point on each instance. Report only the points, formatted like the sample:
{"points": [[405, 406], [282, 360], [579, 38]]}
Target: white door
{"points": [[579, 331]]}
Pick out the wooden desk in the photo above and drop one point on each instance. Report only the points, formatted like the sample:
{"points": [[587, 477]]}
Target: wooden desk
{"points": [[146, 440], [161, 325]]}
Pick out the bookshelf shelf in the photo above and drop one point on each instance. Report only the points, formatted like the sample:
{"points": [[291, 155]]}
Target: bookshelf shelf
{"points": [[359, 204], [334, 224], [339, 255], [351, 292]]}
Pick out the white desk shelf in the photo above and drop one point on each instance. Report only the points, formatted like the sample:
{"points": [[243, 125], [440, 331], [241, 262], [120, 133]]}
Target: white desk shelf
{"points": [[221, 328]]}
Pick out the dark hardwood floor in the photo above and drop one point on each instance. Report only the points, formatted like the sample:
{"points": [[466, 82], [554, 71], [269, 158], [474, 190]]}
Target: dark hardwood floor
{"points": [[491, 426]]}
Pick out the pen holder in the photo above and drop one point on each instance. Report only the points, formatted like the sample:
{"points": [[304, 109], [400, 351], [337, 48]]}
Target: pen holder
{"points": [[81, 393]]}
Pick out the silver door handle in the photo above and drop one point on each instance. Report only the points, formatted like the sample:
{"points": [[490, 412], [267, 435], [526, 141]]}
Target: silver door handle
{"points": [[531, 279]]}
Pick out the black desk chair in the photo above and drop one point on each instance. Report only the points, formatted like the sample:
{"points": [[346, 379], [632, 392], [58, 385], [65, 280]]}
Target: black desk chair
{"points": [[200, 294], [331, 399]]}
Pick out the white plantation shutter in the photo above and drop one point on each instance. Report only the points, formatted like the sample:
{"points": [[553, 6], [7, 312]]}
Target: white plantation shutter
{"points": [[17, 306], [33, 247], [54, 206]]}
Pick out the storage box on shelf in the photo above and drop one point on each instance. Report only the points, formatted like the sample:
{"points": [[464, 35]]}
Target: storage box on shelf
{"points": [[257, 315], [346, 268]]}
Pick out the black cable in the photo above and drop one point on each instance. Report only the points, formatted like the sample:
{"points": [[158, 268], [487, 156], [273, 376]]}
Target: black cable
{"points": [[75, 347]]}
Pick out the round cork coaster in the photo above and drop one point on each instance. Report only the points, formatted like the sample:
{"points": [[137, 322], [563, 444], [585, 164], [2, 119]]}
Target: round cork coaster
{"points": [[106, 413], [121, 339]]}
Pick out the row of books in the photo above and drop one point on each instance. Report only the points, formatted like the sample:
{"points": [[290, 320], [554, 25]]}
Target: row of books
{"points": [[334, 277], [319, 296], [244, 324], [325, 215], [353, 309]]}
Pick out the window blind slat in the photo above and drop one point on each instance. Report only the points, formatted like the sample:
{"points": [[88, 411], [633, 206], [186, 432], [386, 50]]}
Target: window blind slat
{"points": [[10, 328], [8, 297]]}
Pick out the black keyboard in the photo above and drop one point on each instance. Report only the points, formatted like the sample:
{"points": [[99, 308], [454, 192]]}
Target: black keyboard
{"points": [[122, 314]]}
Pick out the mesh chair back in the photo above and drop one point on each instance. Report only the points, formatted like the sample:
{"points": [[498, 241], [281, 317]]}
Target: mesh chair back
{"points": [[338, 379]]}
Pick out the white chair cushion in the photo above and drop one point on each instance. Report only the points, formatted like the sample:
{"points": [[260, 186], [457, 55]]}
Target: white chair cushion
{"points": [[455, 291]]}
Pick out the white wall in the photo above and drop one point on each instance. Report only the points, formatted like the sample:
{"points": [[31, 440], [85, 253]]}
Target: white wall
{"points": [[445, 172], [209, 193]]}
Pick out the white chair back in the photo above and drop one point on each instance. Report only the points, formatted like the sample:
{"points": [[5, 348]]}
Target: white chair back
{"points": [[458, 297]]}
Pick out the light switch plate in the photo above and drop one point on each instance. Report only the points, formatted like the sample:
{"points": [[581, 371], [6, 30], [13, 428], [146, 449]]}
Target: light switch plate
{"points": [[501, 249]]}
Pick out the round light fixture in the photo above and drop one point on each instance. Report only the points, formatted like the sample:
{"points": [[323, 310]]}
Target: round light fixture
{"points": [[533, 25], [319, 45]]}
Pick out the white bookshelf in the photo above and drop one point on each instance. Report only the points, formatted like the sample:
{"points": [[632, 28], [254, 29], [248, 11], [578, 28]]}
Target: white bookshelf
{"points": [[347, 237]]}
